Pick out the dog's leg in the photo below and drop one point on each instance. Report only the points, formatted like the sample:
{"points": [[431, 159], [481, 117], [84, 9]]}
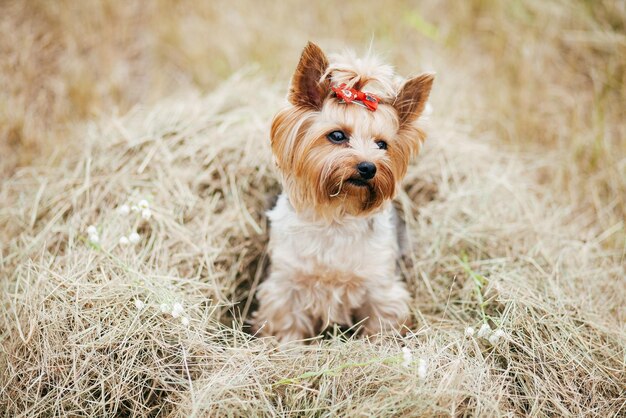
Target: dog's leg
{"points": [[282, 310], [386, 307]]}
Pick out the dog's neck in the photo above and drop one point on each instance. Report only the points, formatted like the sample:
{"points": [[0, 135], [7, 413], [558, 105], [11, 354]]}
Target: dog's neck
{"points": [[334, 219]]}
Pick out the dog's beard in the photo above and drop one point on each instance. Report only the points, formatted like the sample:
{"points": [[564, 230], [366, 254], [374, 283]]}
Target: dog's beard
{"points": [[342, 188]]}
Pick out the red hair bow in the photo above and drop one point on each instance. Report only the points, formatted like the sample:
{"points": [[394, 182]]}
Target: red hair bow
{"points": [[349, 95]]}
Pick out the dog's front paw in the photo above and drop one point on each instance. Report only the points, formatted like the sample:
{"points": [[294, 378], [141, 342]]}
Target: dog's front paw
{"points": [[386, 310]]}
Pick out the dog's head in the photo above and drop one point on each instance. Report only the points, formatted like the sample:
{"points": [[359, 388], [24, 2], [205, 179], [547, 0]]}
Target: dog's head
{"points": [[344, 144]]}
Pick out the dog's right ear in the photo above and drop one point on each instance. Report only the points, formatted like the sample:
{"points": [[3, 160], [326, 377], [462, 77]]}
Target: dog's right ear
{"points": [[307, 87]]}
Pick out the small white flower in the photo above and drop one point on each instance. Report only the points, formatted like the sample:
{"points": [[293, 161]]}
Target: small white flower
{"points": [[469, 332], [143, 204], [165, 308], [94, 238], [146, 214], [92, 230], [184, 320], [494, 338], [177, 310], [123, 209], [484, 331], [407, 356], [139, 304], [124, 240], [134, 208], [422, 368], [134, 238]]}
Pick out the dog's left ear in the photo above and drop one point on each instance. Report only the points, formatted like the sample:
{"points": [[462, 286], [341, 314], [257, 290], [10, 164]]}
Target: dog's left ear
{"points": [[412, 97], [307, 87]]}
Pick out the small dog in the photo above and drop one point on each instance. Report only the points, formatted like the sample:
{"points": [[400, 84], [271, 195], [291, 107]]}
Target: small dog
{"points": [[342, 147]]}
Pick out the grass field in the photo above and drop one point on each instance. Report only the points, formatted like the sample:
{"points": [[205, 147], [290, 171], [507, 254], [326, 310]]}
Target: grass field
{"points": [[516, 210]]}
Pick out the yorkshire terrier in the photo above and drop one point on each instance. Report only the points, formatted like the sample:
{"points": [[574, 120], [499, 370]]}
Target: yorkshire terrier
{"points": [[342, 148]]}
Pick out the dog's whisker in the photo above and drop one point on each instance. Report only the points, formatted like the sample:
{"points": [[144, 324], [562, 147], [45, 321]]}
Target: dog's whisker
{"points": [[340, 185]]}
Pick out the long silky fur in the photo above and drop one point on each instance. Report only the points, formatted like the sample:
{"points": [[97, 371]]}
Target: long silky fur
{"points": [[333, 244]]}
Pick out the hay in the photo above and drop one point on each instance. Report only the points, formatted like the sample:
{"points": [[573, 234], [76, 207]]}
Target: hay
{"points": [[74, 342], [515, 212]]}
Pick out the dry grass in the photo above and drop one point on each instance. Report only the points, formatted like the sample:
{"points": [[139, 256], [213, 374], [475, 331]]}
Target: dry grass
{"points": [[515, 210]]}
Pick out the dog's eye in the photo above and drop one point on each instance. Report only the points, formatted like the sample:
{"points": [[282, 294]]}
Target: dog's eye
{"points": [[337, 137], [381, 144]]}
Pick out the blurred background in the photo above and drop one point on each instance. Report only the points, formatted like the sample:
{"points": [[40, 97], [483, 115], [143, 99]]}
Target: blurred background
{"points": [[533, 75]]}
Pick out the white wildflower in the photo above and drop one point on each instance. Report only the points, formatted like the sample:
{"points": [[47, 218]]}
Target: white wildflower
{"points": [[484, 331], [494, 338], [124, 240], [143, 204], [92, 230], [134, 238], [139, 304], [407, 356], [94, 238], [134, 208], [146, 214], [469, 332], [422, 368], [123, 209], [184, 320], [177, 310]]}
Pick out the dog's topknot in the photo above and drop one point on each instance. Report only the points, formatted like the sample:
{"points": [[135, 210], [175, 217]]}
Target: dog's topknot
{"points": [[367, 73]]}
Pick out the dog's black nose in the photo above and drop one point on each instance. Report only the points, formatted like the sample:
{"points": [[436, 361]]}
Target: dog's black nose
{"points": [[366, 169]]}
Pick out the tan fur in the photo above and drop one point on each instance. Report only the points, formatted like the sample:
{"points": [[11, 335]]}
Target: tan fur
{"points": [[333, 244]]}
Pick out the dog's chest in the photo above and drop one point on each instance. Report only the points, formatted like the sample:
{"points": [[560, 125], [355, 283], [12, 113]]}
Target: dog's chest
{"points": [[346, 252]]}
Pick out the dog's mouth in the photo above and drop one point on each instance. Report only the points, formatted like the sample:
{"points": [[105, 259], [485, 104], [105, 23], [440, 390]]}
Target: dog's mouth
{"points": [[357, 182]]}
